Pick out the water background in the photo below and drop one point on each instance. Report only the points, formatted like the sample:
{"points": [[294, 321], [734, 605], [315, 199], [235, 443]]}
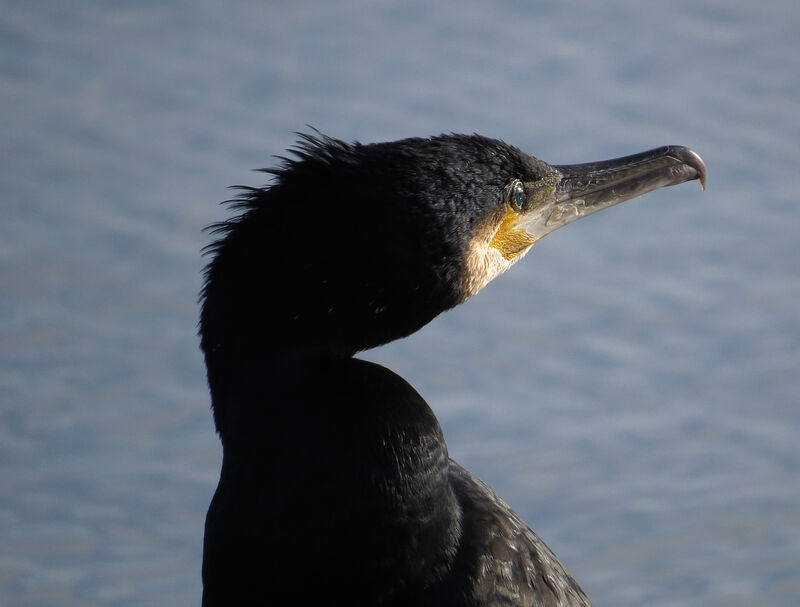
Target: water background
{"points": [[631, 388]]}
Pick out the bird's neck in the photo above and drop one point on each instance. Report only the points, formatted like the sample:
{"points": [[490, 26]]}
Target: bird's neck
{"points": [[340, 452]]}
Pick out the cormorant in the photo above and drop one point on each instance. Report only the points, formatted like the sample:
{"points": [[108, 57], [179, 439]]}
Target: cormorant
{"points": [[336, 484]]}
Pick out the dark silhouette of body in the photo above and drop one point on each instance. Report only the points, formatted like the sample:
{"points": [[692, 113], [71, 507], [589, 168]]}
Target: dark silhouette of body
{"points": [[336, 483]]}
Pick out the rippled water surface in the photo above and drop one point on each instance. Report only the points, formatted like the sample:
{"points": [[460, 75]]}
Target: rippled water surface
{"points": [[631, 388]]}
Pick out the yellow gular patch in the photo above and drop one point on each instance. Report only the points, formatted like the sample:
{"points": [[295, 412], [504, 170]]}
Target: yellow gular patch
{"points": [[510, 240], [495, 246]]}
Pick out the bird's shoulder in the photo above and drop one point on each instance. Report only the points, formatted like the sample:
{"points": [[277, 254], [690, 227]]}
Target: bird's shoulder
{"points": [[505, 562]]}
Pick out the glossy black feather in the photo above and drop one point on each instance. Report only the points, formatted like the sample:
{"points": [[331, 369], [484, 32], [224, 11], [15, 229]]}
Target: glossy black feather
{"points": [[336, 483]]}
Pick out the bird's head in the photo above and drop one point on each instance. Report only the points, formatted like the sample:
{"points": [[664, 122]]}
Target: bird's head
{"points": [[355, 245], [542, 198]]}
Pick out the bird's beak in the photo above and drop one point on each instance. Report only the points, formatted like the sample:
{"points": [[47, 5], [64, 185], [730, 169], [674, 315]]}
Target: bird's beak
{"points": [[583, 189]]}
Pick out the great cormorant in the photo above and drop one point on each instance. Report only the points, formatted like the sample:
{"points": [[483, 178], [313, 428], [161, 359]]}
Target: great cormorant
{"points": [[336, 484]]}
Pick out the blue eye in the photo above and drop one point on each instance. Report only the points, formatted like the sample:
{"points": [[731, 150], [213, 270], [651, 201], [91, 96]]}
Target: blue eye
{"points": [[519, 196]]}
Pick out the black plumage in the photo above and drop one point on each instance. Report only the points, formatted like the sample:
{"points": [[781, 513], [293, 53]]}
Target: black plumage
{"points": [[336, 482]]}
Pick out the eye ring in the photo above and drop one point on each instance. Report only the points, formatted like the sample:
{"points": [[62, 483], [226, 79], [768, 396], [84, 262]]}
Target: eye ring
{"points": [[517, 196]]}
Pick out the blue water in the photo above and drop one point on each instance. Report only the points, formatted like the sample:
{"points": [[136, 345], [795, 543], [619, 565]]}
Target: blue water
{"points": [[631, 388]]}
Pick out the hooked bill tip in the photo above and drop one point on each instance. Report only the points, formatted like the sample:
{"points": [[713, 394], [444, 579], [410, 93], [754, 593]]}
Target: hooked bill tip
{"points": [[691, 158]]}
